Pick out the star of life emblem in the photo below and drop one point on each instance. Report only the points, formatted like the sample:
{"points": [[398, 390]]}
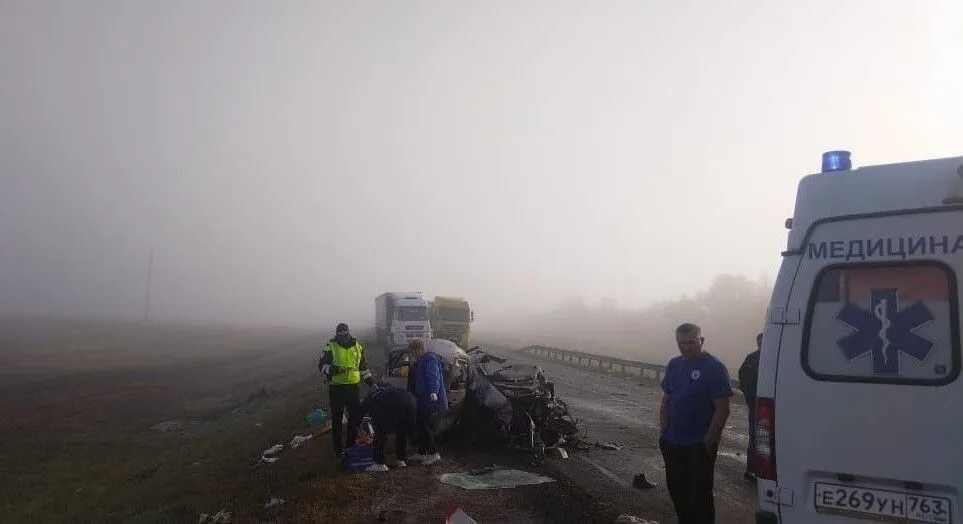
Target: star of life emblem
{"points": [[885, 331]]}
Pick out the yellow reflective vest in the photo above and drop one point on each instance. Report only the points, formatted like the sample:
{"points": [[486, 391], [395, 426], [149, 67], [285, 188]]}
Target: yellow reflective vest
{"points": [[348, 360]]}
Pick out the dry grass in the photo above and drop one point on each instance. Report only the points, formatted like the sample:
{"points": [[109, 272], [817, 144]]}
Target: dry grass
{"points": [[80, 401]]}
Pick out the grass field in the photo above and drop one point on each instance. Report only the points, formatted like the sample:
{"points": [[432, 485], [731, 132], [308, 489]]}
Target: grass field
{"points": [[125, 423], [82, 403]]}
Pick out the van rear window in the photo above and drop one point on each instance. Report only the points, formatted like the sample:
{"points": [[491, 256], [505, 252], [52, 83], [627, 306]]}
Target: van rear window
{"points": [[883, 323]]}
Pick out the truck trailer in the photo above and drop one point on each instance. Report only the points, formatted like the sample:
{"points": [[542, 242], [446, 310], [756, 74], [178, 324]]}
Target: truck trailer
{"points": [[451, 319], [401, 317]]}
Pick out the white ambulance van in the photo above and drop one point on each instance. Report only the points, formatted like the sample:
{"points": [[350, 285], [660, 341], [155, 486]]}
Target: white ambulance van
{"points": [[859, 416]]}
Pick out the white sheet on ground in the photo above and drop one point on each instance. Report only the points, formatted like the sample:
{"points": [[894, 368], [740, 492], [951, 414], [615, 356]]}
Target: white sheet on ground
{"points": [[495, 479]]}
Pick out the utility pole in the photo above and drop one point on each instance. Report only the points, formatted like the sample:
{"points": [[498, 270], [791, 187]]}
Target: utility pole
{"points": [[150, 274]]}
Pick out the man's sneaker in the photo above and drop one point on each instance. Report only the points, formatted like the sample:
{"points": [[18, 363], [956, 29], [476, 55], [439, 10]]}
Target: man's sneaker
{"points": [[417, 457], [398, 464], [376, 468], [749, 477], [431, 459]]}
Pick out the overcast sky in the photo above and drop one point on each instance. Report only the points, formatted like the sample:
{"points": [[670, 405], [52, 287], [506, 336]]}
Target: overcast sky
{"points": [[288, 161]]}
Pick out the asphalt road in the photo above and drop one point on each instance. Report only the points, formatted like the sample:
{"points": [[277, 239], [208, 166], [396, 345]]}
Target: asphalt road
{"points": [[623, 412]]}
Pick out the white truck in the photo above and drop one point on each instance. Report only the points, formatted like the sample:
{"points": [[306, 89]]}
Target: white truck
{"points": [[859, 409], [401, 317]]}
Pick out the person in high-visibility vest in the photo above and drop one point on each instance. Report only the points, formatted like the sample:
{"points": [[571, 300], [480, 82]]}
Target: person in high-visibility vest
{"points": [[342, 362]]}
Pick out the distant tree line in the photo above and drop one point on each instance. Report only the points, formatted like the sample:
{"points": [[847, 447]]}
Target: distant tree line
{"points": [[731, 312]]}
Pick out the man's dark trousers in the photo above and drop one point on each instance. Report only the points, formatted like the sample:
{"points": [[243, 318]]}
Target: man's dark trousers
{"points": [[689, 471], [427, 426], [393, 412], [751, 447], [344, 397]]}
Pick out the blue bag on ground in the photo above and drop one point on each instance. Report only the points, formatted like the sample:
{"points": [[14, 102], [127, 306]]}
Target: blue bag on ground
{"points": [[360, 457], [317, 416]]}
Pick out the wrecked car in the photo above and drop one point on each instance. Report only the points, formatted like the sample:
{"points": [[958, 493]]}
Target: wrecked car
{"points": [[538, 419], [493, 400], [457, 364]]}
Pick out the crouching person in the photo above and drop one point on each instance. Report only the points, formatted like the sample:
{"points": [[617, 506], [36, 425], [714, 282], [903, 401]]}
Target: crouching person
{"points": [[392, 410], [429, 386]]}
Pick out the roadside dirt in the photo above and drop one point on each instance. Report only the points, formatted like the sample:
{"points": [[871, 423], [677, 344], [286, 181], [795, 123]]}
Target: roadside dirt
{"points": [[416, 495], [112, 423]]}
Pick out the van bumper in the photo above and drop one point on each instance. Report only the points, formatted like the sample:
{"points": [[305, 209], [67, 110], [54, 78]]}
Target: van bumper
{"points": [[766, 517]]}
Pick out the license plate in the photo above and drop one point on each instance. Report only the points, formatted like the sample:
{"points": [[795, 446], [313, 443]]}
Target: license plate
{"points": [[881, 504]]}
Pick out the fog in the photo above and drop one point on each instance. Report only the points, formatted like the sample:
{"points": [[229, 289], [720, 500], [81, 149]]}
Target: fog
{"points": [[286, 162], [730, 312]]}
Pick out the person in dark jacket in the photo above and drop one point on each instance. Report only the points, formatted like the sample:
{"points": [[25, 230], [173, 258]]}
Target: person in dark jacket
{"points": [[392, 410], [748, 380], [429, 389], [342, 362]]}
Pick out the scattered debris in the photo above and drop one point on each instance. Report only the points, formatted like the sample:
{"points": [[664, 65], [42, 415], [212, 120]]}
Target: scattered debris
{"points": [[298, 440], [221, 517], [316, 416], [268, 455], [493, 477], [325, 428], [395, 516], [631, 519], [273, 502], [169, 425], [609, 445], [640, 482], [458, 516]]}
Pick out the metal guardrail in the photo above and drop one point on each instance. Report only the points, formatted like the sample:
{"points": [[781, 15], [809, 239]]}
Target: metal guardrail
{"points": [[604, 364]]}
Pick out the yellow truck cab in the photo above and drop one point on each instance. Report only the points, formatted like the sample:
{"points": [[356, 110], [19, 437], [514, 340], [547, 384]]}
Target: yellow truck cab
{"points": [[451, 319], [859, 410]]}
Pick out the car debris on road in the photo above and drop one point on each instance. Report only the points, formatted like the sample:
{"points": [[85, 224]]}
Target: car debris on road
{"points": [[221, 517], [275, 501], [631, 519], [458, 516], [494, 399], [298, 440], [270, 454]]}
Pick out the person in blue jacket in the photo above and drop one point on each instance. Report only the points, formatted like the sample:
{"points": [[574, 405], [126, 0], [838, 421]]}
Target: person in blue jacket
{"points": [[429, 389]]}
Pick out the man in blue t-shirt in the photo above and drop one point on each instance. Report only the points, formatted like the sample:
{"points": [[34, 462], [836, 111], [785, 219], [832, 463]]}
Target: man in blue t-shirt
{"points": [[695, 405]]}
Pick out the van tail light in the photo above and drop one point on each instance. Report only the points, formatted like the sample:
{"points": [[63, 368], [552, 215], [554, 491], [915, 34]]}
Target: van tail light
{"points": [[765, 438]]}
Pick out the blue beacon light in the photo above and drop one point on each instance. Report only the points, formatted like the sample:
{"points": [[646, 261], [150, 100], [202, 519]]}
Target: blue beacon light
{"points": [[836, 161]]}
